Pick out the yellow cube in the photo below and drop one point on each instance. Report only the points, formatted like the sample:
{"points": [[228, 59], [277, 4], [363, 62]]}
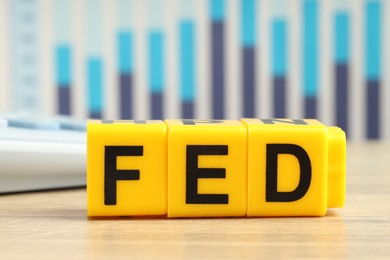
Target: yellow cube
{"points": [[207, 168], [126, 168], [288, 167]]}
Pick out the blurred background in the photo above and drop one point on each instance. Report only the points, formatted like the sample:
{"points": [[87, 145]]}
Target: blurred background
{"points": [[133, 59]]}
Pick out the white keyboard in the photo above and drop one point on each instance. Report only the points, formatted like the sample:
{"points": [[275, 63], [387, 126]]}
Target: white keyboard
{"points": [[38, 154]]}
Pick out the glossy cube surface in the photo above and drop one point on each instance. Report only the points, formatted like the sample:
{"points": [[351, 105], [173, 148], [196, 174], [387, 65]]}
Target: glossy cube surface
{"points": [[287, 167], [207, 168], [126, 168]]}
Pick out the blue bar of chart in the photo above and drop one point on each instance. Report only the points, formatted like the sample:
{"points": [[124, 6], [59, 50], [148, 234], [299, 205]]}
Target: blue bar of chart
{"points": [[248, 41], [373, 66], [125, 67], [95, 86], [95, 70], [63, 56], [217, 8], [156, 73], [310, 59], [279, 66], [125, 56], [341, 54], [187, 66], [63, 60]]}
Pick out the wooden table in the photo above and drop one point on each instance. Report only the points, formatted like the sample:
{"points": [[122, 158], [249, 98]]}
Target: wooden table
{"points": [[53, 225]]}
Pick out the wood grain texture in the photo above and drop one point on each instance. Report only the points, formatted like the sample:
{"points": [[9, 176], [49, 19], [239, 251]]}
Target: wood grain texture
{"points": [[53, 225]]}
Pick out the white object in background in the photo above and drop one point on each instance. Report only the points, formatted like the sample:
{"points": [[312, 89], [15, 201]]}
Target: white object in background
{"points": [[41, 154]]}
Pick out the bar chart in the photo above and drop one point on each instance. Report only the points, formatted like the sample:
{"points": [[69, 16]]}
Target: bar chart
{"points": [[129, 59]]}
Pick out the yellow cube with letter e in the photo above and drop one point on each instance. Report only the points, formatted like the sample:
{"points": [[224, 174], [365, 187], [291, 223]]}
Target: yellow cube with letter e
{"points": [[295, 167], [126, 168], [207, 166]]}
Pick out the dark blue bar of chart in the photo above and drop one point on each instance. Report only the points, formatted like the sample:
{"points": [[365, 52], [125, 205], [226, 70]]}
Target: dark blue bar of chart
{"points": [[95, 87], [157, 105], [310, 106], [64, 78], [341, 84], [156, 73], [310, 53], [218, 57], [279, 83], [248, 40], [187, 67], [341, 55], [248, 73], [373, 67], [373, 115], [125, 94], [279, 66], [125, 66]]}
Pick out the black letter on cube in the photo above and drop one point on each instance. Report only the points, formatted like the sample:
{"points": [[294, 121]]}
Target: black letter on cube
{"points": [[112, 174], [193, 173], [272, 193]]}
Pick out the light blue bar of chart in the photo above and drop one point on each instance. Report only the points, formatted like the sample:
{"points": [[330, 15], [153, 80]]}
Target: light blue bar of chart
{"points": [[63, 57], [95, 84], [248, 22], [156, 61], [124, 48], [187, 60], [310, 47], [125, 13], [62, 17], [156, 13], [373, 17], [93, 27], [24, 55], [93, 10], [341, 37], [217, 8], [187, 8], [279, 48]]}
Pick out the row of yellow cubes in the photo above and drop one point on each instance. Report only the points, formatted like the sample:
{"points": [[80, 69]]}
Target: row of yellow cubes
{"points": [[214, 168]]}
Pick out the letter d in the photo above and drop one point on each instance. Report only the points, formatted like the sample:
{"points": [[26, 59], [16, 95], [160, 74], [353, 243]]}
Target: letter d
{"points": [[272, 193]]}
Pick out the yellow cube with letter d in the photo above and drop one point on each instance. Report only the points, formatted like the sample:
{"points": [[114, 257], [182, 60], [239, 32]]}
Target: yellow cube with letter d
{"points": [[295, 167]]}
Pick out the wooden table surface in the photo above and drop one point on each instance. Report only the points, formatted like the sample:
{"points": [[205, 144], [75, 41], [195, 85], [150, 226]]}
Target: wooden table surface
{"points": [[53, 225]]}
